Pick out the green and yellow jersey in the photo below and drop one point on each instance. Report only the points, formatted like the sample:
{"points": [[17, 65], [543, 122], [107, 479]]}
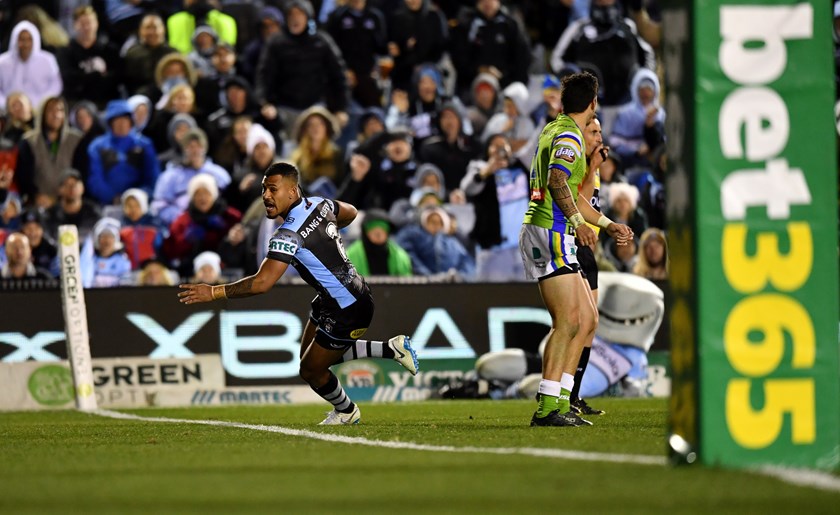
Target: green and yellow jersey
{"points": [[561, 147]]}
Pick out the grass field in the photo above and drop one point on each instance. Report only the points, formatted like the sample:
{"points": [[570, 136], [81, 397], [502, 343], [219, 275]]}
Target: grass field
{"points": [[69, 462]]}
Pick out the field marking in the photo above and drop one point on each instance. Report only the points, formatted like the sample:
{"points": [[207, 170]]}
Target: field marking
{"points": [[637, 459], [799, 477], [803, 477]]}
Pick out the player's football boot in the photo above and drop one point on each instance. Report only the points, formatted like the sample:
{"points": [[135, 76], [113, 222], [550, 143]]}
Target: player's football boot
{"points": [[555, 418], [404, 354], [336, 418], [580, 407]]}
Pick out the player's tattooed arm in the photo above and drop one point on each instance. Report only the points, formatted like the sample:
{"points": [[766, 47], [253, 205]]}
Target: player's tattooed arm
{"points": [[241, 288], [560, 191]]}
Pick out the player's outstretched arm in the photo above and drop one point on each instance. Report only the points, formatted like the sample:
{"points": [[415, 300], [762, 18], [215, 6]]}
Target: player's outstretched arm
{"points": [[270, 271], [346, 214]]}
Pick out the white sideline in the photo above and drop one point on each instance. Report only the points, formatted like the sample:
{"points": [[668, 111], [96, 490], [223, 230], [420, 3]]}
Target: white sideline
{"points": [[637, 459], [799, 477]]}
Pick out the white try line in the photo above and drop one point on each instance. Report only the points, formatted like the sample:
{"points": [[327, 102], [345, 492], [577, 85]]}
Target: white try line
{"points": [[638, 459], [800, 477]]}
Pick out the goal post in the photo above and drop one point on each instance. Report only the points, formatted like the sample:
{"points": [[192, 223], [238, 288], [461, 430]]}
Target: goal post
{"points": [[75, 318], [752, 230]]}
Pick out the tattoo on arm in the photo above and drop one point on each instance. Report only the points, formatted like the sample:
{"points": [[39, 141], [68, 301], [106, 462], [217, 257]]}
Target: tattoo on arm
{"points": [[241, 288], [560, 191]]}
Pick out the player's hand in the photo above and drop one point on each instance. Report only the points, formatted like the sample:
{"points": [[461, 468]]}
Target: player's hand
{"points": [[400, 100], [359, 167], [586, 235], [598, 156], [195, 293], [622, 234], [268, 111]]}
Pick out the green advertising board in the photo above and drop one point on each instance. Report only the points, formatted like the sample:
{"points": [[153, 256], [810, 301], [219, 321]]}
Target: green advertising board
{"points": [[753, 213]]}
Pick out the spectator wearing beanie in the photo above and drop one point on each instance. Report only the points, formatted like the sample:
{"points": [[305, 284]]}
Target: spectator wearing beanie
{"points": [[432, 248], [142, 233], [103, 262], [376, 253], [44, 250], [207, 268], [203, 226]]}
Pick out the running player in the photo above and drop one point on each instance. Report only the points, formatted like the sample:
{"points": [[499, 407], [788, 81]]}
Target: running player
{"points": [[555, 216], [343, 309]]}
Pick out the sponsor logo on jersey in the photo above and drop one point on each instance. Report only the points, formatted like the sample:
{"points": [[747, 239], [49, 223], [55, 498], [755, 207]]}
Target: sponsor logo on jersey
{"points": [[283, 247], [537, 194], [311, 227], [565, 153], [357, 333]]}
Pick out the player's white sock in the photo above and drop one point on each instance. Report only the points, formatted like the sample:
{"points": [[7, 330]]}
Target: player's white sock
{"points": [[367, 349]]}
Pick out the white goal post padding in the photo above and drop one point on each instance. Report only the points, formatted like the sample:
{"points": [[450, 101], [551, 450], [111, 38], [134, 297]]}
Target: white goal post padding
{"points": [[75, 317]]}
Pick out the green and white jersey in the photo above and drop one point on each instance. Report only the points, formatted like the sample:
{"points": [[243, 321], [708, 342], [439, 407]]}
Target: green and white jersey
{"points": [[561, 147]]}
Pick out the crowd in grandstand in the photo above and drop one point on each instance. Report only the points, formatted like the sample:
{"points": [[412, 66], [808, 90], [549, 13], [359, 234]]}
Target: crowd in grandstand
{"points": [[148, 125]]}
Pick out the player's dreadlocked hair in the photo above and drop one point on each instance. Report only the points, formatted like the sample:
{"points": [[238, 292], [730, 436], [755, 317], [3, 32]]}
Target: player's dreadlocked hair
{"points": [[579, 89], [287, 171]]}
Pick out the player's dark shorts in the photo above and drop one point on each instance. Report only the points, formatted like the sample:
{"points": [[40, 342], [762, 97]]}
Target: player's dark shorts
{"points": [[339, 328], [588, 265]]}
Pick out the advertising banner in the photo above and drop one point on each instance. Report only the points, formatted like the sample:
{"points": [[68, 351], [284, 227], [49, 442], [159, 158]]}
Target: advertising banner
{"points": [[117, 382], [762, 175]]}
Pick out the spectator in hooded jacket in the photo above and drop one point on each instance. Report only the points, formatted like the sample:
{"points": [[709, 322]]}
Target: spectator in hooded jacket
{"points": [[451, 150], [25, 67], [301, 67], [359, 31], [45, 152], [171, 196], [376, 253], [417, 34], [418, 108], [210, 85], [141, 110], [142, 58], [177, 128], [238, 99], [271, 23], [103, 262], [90, 67], [432, 247], [513, 121], [381, 182], [639, 127], [488, 39], [84, 117], [122, 158], [316, 154], [485, 101], [141, 233], [204, 42], [202, 226], [607, 44], [498, 187]]}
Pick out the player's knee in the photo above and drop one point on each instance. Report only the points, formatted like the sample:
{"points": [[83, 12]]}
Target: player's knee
{"points": [[309, 373], [569, 325]]}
